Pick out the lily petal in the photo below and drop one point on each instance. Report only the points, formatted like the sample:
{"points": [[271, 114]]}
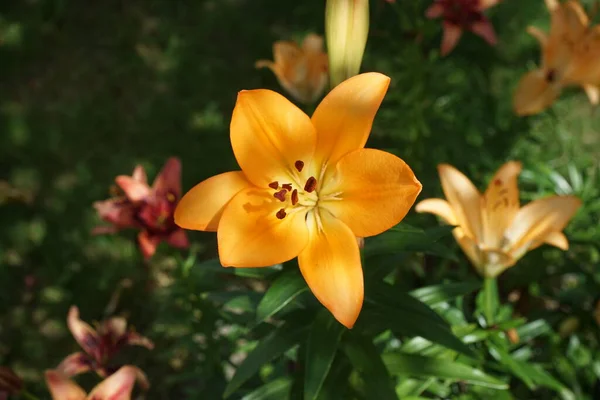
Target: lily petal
{"points": [[438, 207], [464, 198], [139, 174], [148, 243], [331, 266], [485, 30], [114, 327], [452, 34], [135, 339], [469, 247], [344, 118], [534, 93], [84, 334], [435, 10], [540, 218], [377, 189], [593, 93], [201, 208], [313, 43], [119, 385], [62, 388], [169, 178], [501, 202], [134, 189], [485, 4], [556, 239], [119, 212], [251, 235], [75, 364], [178, 239], [268, 135]]}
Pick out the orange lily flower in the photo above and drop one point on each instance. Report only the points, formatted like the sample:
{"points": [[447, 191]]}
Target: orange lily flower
{"points": [[118, 386], [99, 345], [307, 188], [492, 229], [462, 15], [149, 209], [570, 57], [301, 70]]}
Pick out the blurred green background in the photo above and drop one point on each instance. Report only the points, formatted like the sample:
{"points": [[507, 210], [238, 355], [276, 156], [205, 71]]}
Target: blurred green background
{"points": [[89, 89]]}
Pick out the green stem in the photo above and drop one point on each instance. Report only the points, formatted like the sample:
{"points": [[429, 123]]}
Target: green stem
{"points": [[490, 290], [27, 395]]}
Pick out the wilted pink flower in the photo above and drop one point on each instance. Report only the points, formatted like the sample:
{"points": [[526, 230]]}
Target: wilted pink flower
{"points": [[149, 209], [99, 345], [117, 386], [10, 383], [462, 15]]}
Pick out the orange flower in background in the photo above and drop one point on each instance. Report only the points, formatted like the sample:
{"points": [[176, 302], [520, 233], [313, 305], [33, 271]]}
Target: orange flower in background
{"points": [[307, 188], [100, 345], [570, 57], [149, 209], [117, 386], [493, 230], [301, 70], [460, 16]]}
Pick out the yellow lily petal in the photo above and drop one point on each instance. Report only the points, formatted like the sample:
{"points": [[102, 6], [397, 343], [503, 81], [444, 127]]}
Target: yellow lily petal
{"points": [[438, 207], [331, 266], [556, 239], [534, 93], [535, 221], [344, 118], [250, 233], [468, 246], [464, 198], [119, 385], [567, 27], [501, 203], [593, 93], [268, 135], [376, 189], [494, 262], [62, 388], [585, 66], [201, 208]]}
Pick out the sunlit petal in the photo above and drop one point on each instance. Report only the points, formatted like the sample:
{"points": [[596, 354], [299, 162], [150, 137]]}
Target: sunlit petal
{"points": [[534, 93], [375, 190], [268, 135], [119, 385], [62, 388], [452, 34], [84, 334], [331, 266], [134, 189], [201, 208], [169, 178], [438, 207], [556, 239], [139, 174], [251, 234]]}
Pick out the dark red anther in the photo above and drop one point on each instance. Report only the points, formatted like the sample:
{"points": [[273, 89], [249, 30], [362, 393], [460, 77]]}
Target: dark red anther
{"points": [[299, 165], [295, 197], [281, 214], [311, 184], [274, 185], [280, 195], [498, 182], [287, 186]]}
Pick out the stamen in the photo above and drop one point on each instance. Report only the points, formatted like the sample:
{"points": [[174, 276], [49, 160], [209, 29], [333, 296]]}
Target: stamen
{"points": [[281, 214], [311, 184], [551, 76], [299, 165], [171, 197], [274, 185], [287, 186], [295, 197], [280, 195], [498, 182]]}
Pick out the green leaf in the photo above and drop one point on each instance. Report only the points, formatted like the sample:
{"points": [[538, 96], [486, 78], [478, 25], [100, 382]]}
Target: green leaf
{"points": [[366, 359], [284, 289], [275, 344], [405, 238], [279, 389], [435, 294], [415, 365], [387, 308], [323, 341]]}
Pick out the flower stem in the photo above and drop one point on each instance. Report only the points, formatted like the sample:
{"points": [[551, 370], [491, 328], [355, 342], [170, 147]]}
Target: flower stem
{"points": [[490, 294], [27, 395]]}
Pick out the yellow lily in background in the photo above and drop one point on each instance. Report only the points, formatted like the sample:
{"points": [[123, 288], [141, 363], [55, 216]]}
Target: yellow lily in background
{"points": [[307, 188], [118, 386], [492, 229], [302, 71], [346, 29], [570, 57]]}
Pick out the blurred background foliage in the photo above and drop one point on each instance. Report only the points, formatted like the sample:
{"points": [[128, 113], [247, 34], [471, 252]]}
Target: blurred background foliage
{"points": [[90, 89]]}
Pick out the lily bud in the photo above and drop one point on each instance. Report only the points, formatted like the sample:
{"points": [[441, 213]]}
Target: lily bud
{"points": [[346, 29]]}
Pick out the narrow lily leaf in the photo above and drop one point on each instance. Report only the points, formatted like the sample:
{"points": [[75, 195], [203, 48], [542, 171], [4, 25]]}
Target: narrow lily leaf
{"points": [[284, 289], [279, 389], [323, 341], [405, 238], [275, 344], [415, 365], [387, 308], [366, 359], [533, 329], [432, 295]]}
